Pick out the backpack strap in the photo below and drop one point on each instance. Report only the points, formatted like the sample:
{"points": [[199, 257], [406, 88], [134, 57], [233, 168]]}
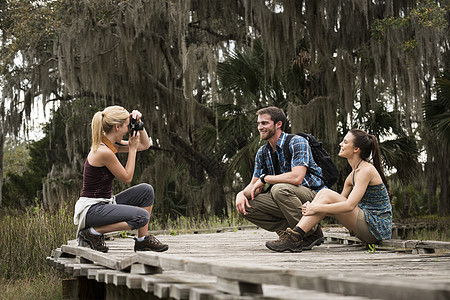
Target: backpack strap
{"points": [[288, 155], [286, 151]]}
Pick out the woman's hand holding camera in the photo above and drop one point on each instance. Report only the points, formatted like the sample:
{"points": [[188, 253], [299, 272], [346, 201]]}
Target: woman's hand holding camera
{"points": [[136, 124], [135, 114]]}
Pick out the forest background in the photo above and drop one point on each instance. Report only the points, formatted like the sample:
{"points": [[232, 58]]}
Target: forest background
{"points": [[199, 70]]}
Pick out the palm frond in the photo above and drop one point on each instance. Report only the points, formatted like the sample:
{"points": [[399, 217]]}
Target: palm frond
{"points": [[437, 112], [243, 162], [402, 154]]}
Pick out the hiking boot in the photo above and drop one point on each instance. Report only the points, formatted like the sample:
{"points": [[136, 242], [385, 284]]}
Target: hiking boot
{"points": [[289, 241], [280, 233], [314, 239], [96, 242], [150, 243]]}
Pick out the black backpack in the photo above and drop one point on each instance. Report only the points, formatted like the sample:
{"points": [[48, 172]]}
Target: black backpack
{"points": [[321, 157]]}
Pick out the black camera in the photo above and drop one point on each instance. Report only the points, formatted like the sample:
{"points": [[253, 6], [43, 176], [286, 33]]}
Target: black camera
{"points": [[135, 125]]}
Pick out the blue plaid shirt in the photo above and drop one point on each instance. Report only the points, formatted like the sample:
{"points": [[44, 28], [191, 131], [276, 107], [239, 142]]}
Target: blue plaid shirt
{"points": [[301, 156]]}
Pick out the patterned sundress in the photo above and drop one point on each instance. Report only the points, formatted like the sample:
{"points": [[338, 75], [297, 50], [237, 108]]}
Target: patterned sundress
{"points": [[378, 211]]}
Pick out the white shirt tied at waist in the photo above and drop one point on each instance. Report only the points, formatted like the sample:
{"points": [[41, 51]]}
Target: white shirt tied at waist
{"points": [[82, 206]]}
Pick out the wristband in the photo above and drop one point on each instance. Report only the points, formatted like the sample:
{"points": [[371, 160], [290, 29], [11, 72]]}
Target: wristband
{"points": [[262, 178]]}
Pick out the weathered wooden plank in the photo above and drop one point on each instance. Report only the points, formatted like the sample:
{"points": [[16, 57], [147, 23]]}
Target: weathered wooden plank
{"points": [[161, 290], [288, 293], [251, 274], [134, 281], [84, 269], [138, 268], [148, 283], [98, 257], [239, 288], [196, 293], [433, 245], [386, 288], [100, 275], [92, 273], [181, 291], [149, 259], [395, 243], [222, 296], [120, 278], [51, 261]]}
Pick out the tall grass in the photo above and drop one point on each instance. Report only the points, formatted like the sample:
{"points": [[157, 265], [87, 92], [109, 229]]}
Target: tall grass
{"points": [[26, 239], [42, 286], [188, 224], [440, 230]]}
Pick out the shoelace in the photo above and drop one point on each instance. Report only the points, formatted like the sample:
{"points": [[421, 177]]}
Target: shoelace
{"points": [[102, 241], [283, 236], [152, 239]]}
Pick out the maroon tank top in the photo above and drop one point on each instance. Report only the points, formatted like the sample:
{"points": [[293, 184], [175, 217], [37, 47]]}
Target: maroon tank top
{"points": [[97, 182]]}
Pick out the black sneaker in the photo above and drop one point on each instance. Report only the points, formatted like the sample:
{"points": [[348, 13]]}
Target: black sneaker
{"points": [[289, 241], [96, 242], [150, 243], [314, 239]]}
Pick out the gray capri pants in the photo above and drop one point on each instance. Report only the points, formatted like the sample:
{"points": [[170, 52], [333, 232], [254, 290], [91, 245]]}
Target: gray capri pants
{"points": [[128, 208]]}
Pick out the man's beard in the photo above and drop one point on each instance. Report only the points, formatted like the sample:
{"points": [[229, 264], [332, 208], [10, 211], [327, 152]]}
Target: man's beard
{"points": [[268, 134]]}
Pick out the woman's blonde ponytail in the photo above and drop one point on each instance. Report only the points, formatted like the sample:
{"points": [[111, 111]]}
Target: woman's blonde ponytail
{"points": [[97, 130]]}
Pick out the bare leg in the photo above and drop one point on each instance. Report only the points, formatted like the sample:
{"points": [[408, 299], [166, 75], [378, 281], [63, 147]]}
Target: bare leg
{"points": [[143, 231], [112, 227], [308, 222], [327, 196]]}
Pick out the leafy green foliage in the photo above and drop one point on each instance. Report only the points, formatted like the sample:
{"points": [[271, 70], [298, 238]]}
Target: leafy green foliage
{"points": [[437, 112], [22, 187], [428, 13], [15, 157]]}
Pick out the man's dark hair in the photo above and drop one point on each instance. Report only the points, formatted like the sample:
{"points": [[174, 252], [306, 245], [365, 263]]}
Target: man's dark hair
{"points": [[276, 114]]}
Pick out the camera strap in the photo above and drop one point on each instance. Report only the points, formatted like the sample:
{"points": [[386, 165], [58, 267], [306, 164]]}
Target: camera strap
{"points": [[109, 144]]}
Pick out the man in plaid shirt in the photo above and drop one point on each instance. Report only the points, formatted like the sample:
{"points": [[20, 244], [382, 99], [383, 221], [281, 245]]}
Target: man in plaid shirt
{"points": [[274, 197]]}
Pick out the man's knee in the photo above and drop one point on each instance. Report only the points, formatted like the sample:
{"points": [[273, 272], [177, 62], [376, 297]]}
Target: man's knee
{"points": [[281, 189], [285, 192]]}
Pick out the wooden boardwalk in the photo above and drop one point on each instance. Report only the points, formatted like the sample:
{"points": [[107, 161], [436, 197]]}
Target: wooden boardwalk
{"points": [[237, 265]]}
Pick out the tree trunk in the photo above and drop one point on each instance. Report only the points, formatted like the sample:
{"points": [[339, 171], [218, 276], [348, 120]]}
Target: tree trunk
{"points": [[406, 204], [445, 178], [2, 143], [431, 181]]}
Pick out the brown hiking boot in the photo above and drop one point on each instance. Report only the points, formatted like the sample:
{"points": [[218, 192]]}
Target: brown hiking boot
{"points": [[281, 233], [289, 241], [150, 243], [314, 239], [96, 242]]}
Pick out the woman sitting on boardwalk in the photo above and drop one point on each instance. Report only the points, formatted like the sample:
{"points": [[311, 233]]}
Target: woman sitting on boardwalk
{"points": [[363, 206], [97, 211]]}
